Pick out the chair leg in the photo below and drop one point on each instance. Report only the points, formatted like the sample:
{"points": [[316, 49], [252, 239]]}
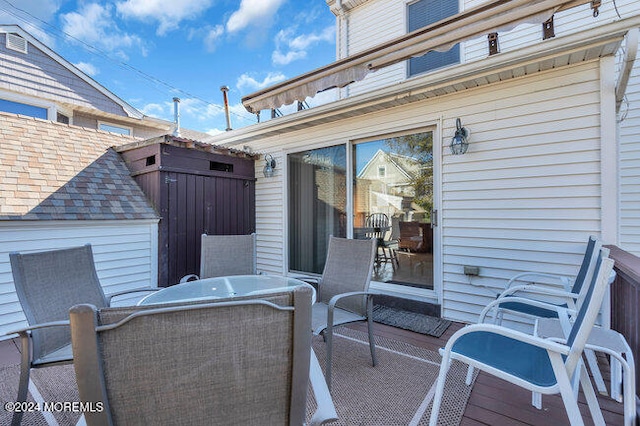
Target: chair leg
{"points": [[437, 399], [328, 338], [566, 391], [470, 370], [25, 370], [590, 396], [372, 342], [595, 371]]}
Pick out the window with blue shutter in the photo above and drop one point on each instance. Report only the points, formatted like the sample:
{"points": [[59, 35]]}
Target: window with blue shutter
{"points": [[427, 12]]}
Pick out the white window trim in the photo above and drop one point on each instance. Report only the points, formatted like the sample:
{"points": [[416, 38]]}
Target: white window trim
{"points": [[52, 109], [120, 126]]}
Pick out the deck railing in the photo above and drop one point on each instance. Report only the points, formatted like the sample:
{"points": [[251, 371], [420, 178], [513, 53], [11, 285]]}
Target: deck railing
{"points": [[625, 301]]}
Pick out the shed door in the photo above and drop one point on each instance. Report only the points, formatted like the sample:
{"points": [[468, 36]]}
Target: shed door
{"points": [[202, 204]]}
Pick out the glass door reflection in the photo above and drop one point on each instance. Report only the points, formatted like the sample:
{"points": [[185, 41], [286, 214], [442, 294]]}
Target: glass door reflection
{"points": [[393, 201]]}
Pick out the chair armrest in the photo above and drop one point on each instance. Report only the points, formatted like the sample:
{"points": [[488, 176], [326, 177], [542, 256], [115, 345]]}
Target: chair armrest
{"points": [[334, 299], [24, 332], [537, 289], [495, 304], [187, 278], [565, 281], [137, 290], [326, 411]]}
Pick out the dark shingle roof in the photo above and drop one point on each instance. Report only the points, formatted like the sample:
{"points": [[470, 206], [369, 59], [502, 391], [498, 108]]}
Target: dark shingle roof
{"points": [[53, 171]]}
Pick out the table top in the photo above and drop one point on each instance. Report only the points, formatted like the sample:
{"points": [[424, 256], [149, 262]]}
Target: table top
{"points": [[222, 287]]}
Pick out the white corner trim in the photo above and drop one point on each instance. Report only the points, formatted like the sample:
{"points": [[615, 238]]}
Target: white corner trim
{"points": [[609, 198]]}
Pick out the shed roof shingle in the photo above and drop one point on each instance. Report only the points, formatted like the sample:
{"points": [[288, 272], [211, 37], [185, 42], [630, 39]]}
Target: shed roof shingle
{"points": [[53, 171]]}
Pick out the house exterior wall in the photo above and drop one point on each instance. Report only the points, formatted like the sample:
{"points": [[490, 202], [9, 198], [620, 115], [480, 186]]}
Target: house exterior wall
{"points": [[36, 74], [91, 122], [525, 196], [125, 253], [377, 21], [629, 168]]}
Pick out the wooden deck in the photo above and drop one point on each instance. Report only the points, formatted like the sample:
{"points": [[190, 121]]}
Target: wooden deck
{"points": [[492, 401], [496, 402]]}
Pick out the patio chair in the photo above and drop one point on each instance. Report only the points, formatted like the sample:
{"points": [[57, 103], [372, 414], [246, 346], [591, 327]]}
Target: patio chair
{"points": [[222, 255], [379, 225], [535, 301], [149, 365], [613, 344], [534, 363], [571, 296], [48, 283], [343, 291]]}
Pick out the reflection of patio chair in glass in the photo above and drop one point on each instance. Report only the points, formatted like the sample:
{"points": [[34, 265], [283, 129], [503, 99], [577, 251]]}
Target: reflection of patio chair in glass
{"points": [[378, 226], [410, 236]]}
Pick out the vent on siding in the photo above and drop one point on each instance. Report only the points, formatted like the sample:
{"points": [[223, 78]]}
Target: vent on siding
{"points": [[17, 43], [61, 118], [220, 167]]}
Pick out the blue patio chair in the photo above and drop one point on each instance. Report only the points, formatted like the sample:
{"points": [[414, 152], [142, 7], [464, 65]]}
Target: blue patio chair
{"points": [[535, 300], [571, 297], [48, 284], [534, 363]]}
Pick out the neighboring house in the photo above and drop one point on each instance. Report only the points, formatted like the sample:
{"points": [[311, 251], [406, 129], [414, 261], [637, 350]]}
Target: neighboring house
{"points": [[37, 82], [61, 182], [554, 135], [64, 186]]}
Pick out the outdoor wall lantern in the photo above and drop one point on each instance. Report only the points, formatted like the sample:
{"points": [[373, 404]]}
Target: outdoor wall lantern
{"points": [[270, 165], [459, 142]]}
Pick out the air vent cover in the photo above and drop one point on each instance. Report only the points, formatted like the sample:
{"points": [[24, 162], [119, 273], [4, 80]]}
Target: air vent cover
{"points": [[17, 43]]}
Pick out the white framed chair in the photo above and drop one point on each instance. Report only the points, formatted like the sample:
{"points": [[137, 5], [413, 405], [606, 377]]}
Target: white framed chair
{"points": [[535, 301], [222, 255], [534, 363]]}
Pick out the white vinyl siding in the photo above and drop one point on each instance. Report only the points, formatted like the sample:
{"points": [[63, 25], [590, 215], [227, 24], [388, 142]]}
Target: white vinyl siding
{"points": [[629, 161], [378, 20], [527, 193], [524, 197], [125, 252]]}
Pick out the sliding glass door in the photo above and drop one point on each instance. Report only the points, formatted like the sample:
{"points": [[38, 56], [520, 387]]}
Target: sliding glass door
{"points": [[317, 205], [391, 200]]}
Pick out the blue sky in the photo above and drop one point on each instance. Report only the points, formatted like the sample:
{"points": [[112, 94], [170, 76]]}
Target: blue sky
{"points": [[149, 51]]}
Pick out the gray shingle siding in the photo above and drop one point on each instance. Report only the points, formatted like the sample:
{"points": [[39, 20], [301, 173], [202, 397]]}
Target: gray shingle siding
{"points": [[37, 74]]}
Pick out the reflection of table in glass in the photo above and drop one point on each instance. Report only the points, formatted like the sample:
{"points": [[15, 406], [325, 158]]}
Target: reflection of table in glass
{"points": [[222, 287], [416, 236]]}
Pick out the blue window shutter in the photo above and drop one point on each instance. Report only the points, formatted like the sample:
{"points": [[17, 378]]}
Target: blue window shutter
{"points": [[427, 12]]}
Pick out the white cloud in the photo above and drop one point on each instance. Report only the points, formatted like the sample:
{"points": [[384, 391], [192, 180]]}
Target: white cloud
{"points": [[290, 48], [94, 24], [253, 12], [169, 14], [246, 83], [87, 68], [212, 37], [24, 13]]}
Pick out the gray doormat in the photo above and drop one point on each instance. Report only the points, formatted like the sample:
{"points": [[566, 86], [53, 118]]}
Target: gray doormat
{"points": [[413, 321]]}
